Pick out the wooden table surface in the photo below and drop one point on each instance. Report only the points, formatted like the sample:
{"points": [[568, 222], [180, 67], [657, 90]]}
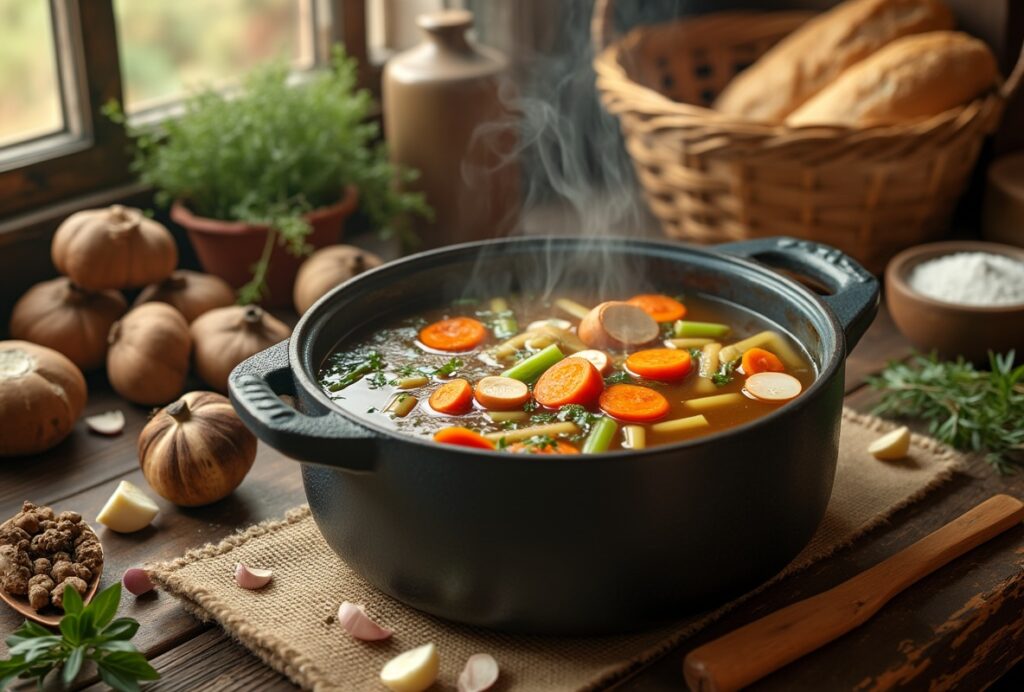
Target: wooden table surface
{"points": [[962, 627]]}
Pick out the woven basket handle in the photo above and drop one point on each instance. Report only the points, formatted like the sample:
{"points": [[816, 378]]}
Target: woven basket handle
{"points": [[602, 25]]}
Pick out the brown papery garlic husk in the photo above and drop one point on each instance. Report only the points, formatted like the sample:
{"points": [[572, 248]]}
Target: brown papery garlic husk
{"points": [[149, 354], [115, 247], [327, 268], [196, 450], [190, 293], [42, 393], [224, 337], [60, 315]]}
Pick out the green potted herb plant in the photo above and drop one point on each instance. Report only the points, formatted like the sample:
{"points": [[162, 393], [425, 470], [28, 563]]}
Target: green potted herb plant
{"points": [[261, 177]]}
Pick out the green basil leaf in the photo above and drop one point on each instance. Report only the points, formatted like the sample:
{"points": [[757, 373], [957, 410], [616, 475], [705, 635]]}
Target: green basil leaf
{"points": [[73, 604], [116, 680], [121, 628], [132, 664], [116, 645], [71, 628], [43, 643], [73, 665], [103, 607]]}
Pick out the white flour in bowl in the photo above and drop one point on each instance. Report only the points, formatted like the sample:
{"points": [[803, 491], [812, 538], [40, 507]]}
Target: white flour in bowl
{"points": [[971, 278]]}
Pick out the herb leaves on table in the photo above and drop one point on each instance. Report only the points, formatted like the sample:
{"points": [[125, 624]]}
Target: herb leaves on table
{"points": [[87, 633], [969, 409]]}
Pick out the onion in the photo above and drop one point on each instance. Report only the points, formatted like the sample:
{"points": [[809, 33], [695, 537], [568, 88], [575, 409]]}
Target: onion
{"points": [[108, 423], [137, 581], [480, 673], [251, 577], [353, 618]]}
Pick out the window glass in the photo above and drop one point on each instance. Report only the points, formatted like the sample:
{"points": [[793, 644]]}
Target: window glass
{"points": [[31, 103], [169, 49]]}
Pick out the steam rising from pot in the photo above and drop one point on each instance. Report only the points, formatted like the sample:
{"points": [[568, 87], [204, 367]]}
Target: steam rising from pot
{"points": [[577, 177]]}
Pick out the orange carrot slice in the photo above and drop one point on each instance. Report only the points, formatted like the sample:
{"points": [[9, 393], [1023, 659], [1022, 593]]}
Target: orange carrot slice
{"points": [[772, 386], [454, 397], [660, 307], [633, 403], [569, 381], [757, 360], [559, 447], [501, 393], [599, 359], [464, 437], [453, 334], [661, 363]]}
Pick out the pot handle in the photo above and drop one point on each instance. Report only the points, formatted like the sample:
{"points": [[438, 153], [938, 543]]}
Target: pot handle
{"points": [[255, 386], [852, 289]]}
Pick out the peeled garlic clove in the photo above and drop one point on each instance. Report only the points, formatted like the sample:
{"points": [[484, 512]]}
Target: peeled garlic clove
{"points": [[480, 673], [137, 581], [108, 423], [355, 621], [892, 445], [252, 577], [128, 509], [413, 671]]}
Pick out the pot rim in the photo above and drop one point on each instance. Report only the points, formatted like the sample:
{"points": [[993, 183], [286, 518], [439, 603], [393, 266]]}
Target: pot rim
{"points": [[832, 360], [182, 215]]}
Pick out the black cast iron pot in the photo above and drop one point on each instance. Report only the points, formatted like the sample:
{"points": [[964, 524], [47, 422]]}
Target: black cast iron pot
{"points": [[575, 544]]}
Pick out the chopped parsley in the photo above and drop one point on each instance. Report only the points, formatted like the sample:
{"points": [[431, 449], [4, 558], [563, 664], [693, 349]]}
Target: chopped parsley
{"points": [[347, 368], [725, 373], [449, 368], [618, 377]]}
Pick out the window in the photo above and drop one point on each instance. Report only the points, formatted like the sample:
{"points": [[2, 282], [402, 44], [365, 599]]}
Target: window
{"points": [[32, 105], [168, 49], [61, 61]]}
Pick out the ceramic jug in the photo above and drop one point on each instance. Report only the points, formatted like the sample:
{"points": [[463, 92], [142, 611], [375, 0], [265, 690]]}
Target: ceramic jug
{"points": [[448, 114]]}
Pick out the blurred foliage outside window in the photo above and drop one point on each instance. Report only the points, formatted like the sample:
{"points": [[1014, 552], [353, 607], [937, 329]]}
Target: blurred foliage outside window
{"points": [[169, 49], [31, 103]]}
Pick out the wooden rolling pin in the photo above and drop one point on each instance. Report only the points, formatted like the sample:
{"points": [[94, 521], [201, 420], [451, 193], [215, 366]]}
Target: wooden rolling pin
{"points": [[762, 647]]}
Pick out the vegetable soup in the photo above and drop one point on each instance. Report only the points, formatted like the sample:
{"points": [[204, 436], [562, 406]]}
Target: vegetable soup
{"points": [[524, 375]]}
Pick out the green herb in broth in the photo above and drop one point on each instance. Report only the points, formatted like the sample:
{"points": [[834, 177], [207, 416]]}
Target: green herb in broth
{"points": [[618, 377], [449, 368], [725, 373], [345, 369]]}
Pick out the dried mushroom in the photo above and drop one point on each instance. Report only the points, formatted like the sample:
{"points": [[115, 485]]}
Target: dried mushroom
{"points": [[41, 553]]}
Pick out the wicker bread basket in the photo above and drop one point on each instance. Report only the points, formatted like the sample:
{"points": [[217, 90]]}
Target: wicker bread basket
{"points": [[711, 177]]}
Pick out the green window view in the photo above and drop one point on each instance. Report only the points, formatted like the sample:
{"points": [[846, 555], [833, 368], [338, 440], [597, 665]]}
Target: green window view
{"points": [[168, 49], [31, 106]]}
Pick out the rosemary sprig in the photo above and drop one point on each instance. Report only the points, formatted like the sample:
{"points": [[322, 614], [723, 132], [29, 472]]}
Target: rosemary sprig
{"points": [[970, 409]]}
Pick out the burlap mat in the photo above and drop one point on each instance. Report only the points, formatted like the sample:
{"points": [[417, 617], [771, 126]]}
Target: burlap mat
{"points": [[290, 624]]}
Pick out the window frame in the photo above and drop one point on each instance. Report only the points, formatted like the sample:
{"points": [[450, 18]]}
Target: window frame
{"points": [[91, 153]]}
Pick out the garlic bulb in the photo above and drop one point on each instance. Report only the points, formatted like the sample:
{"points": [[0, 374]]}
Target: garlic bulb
{"points": [[196, 450]]}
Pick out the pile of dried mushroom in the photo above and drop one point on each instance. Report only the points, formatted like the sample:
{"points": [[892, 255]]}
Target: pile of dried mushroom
{"points": [[41, 553]]}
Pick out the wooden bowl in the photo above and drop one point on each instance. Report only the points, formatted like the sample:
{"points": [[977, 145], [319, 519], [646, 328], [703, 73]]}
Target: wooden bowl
{"points": [[950, 329], [49, 616]]}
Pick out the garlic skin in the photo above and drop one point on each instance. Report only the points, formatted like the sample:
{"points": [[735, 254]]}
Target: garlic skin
{"points": [[136, 581], [196, 450], [106, 423], [480, 673], [252, 578], [354, 620], [412, 671]]}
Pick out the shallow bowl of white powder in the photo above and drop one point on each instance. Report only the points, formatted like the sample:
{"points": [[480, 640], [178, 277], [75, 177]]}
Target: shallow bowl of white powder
{"points": [[959, 297]]}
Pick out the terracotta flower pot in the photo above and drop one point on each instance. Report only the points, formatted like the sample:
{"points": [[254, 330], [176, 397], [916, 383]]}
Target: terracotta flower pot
{"points": [[229, 249]]}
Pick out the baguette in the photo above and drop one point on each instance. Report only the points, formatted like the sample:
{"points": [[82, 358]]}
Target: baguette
{"points": [[914, 77], [804, 62]]}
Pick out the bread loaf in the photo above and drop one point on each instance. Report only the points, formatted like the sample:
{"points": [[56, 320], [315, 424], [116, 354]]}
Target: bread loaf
{"points": [[914, 77], [811, 57]]}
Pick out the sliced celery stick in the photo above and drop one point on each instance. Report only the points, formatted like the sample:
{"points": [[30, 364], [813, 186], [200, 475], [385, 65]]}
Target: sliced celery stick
{"points": [[533, 367], [601, 435]]}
